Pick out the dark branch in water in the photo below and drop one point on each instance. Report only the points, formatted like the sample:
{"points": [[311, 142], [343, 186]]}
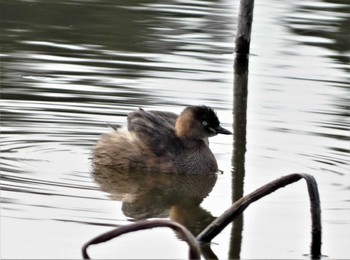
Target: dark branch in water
{"points": [[194, 251], [240, 205], [227, 217]]}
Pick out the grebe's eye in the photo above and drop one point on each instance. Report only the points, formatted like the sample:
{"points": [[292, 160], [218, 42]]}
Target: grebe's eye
{"points": [[205, 123]]}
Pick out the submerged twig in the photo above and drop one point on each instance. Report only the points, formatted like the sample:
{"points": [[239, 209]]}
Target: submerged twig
{"points": [[194, 249], [240, 205]]}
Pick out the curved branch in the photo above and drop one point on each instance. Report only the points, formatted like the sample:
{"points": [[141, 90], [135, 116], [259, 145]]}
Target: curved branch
{"points": [[240, 205], [194, 249]]}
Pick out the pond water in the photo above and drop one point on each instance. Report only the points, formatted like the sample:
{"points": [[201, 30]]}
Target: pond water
{"points": [[70, 67]]}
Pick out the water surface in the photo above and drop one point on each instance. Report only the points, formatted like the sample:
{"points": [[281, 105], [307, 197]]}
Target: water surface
{"points": [[70, 67]]}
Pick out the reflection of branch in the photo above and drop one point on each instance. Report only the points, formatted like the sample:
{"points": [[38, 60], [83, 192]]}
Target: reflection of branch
{"points": [[239, 206], [240, 99], [194, 252]]}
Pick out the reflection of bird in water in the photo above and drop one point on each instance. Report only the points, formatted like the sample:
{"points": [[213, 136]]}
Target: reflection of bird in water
{"points": [[162, 142], [149, 195]]}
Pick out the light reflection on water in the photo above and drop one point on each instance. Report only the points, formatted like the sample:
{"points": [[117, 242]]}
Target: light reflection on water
{"points": [[63, 79]]}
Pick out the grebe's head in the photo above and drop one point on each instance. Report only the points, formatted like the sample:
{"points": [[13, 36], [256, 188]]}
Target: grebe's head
{"points": [[198, 122]]}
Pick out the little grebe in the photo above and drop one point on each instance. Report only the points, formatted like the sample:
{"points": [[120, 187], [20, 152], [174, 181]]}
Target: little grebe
{"points": [[162, 142]]}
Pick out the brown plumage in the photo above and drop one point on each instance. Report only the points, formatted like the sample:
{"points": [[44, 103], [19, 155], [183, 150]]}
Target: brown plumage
{"points": [[162, 142]]}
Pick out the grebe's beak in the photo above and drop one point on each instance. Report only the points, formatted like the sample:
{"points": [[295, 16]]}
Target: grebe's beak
{"points": [[220, 130]]}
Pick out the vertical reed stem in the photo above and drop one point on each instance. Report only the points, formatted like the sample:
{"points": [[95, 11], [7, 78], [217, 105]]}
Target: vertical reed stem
{"points": [[245, 21]]}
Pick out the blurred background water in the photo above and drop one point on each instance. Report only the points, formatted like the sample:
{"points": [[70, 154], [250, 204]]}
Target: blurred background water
{"points": [[68, 67]]}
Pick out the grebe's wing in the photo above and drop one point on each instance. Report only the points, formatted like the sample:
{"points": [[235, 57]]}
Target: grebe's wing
{"points": [[155, 128]]}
